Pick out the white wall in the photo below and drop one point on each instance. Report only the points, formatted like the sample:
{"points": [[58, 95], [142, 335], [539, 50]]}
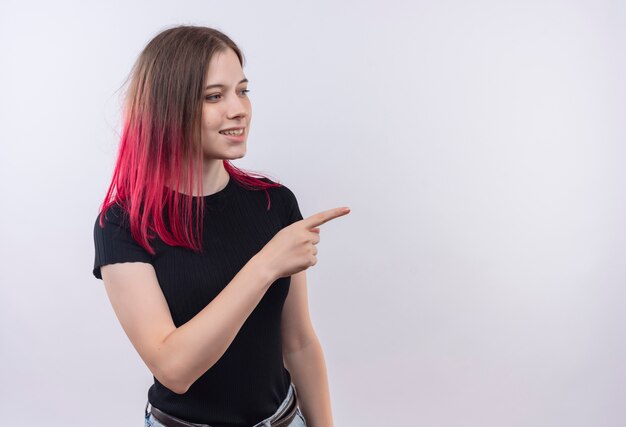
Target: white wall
{"points": [[479, 279]]}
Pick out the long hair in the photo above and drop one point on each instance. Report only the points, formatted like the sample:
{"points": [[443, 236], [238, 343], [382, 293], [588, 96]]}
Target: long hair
{"points": [[160, 140]]}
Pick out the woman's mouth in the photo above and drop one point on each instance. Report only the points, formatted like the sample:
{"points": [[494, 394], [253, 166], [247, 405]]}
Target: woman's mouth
{"points": [[234, 135], [235, 132]]}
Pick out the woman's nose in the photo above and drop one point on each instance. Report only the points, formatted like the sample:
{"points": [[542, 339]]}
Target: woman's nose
{"points": [[238, 108]]}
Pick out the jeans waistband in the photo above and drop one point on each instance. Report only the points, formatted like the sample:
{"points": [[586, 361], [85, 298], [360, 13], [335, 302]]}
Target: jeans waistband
{"points": [[285, 405]]}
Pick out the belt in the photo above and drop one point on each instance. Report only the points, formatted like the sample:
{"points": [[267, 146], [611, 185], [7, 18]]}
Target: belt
{"points": [[283, 418]]}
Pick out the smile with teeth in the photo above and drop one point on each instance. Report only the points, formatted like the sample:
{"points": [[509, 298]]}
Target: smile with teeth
{"points": [[232, 132]]}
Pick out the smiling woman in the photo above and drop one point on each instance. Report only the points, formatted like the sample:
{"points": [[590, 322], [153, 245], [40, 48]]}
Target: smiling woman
{"points": [[220, 324], [227, 109]]}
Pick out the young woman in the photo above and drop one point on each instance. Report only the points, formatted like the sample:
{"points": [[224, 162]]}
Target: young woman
{"points": [[204, 264]]}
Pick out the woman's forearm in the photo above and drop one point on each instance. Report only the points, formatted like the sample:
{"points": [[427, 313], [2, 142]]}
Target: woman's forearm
{"points": [[308, 371], [191, 349]]}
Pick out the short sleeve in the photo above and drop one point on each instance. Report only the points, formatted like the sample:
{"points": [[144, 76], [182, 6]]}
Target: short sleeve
{"points": [[292, 207], [114, 243]]}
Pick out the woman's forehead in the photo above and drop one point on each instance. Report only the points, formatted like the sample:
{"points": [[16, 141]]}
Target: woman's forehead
{"points": [[224, 68]]}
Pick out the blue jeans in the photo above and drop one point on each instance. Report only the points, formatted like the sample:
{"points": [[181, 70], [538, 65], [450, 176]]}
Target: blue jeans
{"points": [[298, 421]]}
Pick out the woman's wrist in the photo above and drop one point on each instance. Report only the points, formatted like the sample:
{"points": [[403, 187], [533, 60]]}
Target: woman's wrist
{"points": [[262, 269]]}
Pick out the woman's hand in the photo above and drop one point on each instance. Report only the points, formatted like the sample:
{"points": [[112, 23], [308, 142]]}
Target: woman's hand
{"points": [[293, 249]]}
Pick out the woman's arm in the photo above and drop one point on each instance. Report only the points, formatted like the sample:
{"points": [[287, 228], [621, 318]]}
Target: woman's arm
{"points": [[303, 355], [308, 370], [179, 356]]}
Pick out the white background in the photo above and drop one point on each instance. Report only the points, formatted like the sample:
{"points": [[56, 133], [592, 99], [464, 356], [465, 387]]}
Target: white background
{"points": [[479, 279]]}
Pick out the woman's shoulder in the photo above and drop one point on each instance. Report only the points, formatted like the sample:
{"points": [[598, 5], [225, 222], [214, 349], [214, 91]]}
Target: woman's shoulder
{"points": [[267, 180], [114, 215], [282, 189]]}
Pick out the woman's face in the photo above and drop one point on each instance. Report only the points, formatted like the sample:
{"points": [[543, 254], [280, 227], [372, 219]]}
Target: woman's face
{"points": [[225, 105]]}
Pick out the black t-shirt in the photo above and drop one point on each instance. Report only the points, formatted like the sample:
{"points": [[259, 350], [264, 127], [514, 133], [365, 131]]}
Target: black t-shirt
{"points": [[249, 381]]}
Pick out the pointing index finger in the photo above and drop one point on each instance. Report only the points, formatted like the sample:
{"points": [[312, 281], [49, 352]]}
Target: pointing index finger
{"points": [[325, 216]]}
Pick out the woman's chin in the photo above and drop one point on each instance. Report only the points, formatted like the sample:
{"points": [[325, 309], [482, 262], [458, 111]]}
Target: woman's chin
{"points": [[237, 153]]}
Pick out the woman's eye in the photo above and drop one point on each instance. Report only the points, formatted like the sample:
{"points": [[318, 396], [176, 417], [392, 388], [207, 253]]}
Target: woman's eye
{"points": [[214, 97]]}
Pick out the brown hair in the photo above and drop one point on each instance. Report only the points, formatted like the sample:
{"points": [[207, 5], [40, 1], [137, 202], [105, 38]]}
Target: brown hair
{"points": [[161, 141]]}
